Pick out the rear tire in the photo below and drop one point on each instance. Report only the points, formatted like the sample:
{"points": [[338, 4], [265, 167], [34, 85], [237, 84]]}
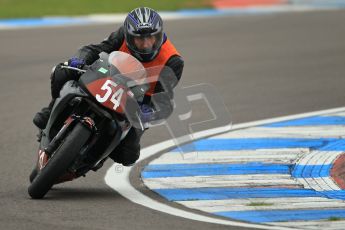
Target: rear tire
{"points": [[59, 162]]}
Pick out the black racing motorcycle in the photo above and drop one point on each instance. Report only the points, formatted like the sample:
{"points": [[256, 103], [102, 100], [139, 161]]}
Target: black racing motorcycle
{"points": [[89, 119]]}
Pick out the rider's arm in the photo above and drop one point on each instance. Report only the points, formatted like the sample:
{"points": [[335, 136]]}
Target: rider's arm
{"points": [[90, 52], [176, 63], [173, 70]]}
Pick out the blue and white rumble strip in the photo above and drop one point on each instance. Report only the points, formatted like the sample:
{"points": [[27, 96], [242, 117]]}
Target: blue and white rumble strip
{"points": [[275, 174]]}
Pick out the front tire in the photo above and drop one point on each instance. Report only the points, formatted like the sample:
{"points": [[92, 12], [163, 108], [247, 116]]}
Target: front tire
{"points": [[33, 174], [59, 162]]}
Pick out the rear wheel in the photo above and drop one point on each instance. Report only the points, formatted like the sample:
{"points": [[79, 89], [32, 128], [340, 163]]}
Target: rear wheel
{"points": [[59, 162]]}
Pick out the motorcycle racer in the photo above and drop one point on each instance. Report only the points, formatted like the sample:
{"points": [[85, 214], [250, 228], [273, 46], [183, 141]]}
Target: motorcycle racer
{"points": [[142, 36]]}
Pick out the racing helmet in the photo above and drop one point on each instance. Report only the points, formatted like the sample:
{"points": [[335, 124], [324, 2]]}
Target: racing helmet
{"points": [[143, 29]]}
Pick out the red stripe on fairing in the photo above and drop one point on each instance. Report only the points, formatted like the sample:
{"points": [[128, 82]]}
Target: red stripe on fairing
{"points": [[338, 171], [245, 3]]}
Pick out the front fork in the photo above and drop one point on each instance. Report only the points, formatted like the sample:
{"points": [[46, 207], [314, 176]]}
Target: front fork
{"points": [[44, 155]]}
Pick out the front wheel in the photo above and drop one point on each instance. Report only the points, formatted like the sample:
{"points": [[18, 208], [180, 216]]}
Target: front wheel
{"points": [[33, 174], [59, 162]]}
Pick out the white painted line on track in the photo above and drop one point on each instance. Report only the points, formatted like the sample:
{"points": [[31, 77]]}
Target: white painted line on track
{"points": [[323, 224], [120, 181], [338, 114], [330, 131], [283, 203], [315, 157], [318, 184], [221, 181], [278, 156]]}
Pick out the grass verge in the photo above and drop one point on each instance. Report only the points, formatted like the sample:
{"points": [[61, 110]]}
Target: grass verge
{"points": [[38, 8], [335, 218], [259, 204]]}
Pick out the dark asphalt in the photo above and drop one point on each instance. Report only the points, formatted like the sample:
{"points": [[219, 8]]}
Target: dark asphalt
{"points": [[263, 67]]}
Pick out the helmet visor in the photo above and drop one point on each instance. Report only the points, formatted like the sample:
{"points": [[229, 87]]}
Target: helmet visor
{"points": [[145, 44]]}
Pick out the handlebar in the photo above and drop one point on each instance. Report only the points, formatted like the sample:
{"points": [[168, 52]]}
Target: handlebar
{"points": [[66, 66]]}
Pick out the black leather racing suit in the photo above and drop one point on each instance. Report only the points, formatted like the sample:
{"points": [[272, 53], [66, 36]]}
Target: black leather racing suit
{"points": [[128, 151]]}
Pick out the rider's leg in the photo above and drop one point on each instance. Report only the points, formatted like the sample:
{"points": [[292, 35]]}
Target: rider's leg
{"points": [[58, 78], [41, 118], [128, 151]]}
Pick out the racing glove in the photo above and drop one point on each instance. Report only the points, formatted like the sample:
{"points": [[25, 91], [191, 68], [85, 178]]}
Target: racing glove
{"points": [[146, 113], [76, 62]]}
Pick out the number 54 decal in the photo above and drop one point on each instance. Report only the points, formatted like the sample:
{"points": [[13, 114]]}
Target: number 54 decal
{"points": [[116, 96]]}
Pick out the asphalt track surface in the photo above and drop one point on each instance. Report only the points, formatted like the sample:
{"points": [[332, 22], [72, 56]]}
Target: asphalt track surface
{"points": [[263, 66]]}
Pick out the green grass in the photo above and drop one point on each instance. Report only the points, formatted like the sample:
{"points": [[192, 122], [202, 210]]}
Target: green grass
{"points": [[259, 204], [335, 218], [37, 8]]}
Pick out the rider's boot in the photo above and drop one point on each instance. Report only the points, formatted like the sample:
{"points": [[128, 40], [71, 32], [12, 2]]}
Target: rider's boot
{"points": [[41, 118]]}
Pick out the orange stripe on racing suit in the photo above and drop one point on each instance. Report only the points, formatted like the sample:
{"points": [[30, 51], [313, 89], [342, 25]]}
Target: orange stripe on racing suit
{"points": [[166, 52]]}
